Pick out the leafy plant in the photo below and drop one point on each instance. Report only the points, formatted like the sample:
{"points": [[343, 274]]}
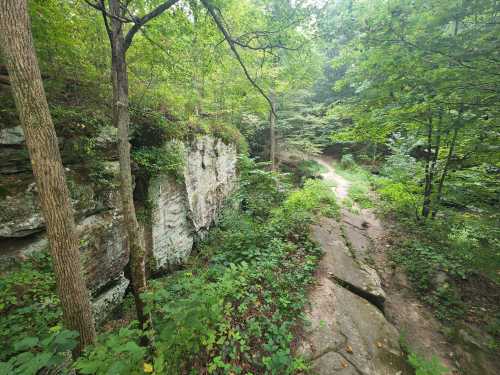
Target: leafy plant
{"points": [[423, 366], [29, 305], [169, 159], [115, 353], [31, 354]]}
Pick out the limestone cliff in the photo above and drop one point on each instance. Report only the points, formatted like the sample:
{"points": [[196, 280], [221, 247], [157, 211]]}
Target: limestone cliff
{"points": [[181, 210]]}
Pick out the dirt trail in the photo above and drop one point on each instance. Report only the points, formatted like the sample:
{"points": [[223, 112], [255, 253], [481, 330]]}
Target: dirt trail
{"points": [[357, 282]]}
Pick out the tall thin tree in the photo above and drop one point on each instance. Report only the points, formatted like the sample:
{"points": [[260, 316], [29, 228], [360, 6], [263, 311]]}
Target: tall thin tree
{"points": [[116, 16], [41, 140]]}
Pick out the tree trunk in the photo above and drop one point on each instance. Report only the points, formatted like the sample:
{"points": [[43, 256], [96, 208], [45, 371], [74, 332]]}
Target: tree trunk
{"points": [[121, 120], [431, 169], [427, 189], [445, 169], [41, 140], [272, 131]]}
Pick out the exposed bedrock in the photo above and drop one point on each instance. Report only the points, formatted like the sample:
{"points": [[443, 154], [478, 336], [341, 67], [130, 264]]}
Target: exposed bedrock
{"points": [[348, 333], [181, 211]]}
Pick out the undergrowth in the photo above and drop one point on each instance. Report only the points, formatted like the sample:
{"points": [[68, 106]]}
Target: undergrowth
{"points": [[440, 255], [237, 307]]}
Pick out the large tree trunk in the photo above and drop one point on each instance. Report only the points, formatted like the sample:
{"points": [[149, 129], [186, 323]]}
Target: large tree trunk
{"points": [[121, 120], [41, 140], [272, 131]]}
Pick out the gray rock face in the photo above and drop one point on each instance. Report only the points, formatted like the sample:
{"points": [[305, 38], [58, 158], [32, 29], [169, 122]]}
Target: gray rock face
{"points": [[11, 136], [209, 178], [20, 214], [183, 210], [104, 249], [107, 301], [171, 231], [349, 335], [343, 266]]}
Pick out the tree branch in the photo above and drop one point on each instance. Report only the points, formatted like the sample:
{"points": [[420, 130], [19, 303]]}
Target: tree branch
{"points": [[139, 22], [232, 45]]}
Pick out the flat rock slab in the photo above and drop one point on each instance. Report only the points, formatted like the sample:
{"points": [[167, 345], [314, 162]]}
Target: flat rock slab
{"points": [[340, 264], [348, 335], [357, 236]]}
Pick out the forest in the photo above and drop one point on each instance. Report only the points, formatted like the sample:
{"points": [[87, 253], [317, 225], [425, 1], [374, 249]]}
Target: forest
{"points": [[249, 187]]}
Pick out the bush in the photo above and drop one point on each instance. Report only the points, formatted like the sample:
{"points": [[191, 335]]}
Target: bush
{"points": [[423, 366], [29, 305], [169, 159], [116, 353], [33, 355], [399, 198], [347, 161]]}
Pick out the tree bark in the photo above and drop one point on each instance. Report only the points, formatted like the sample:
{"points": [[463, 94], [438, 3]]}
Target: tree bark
{"points": [[431, 163], [272, 131], [41, 141], [121, 120], [427, 198], [447, 164]]}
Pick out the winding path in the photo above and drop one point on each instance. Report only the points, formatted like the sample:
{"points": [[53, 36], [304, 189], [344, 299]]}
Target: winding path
{"points": [[352, 305]]}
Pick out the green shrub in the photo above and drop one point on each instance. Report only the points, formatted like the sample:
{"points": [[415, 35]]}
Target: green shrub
{"points": [[398, 198], [260, 190], [32, 355], [359, 194], [309, 169], [115, 353], [169, 158], [347, 161], [423, 366], [29, 305]]}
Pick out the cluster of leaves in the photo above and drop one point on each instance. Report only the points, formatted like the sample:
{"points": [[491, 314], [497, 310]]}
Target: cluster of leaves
{"points": [[29, 305], [421, 365], [32, 355], [169, 159], [236, 308]]}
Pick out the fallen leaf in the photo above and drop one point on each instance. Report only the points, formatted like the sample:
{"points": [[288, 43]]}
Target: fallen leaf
{"points": [[148, 368], [379, 344], [348, 349], [344, 365]]}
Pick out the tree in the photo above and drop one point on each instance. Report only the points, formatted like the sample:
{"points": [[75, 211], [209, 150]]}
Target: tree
{"points": [[426, 69], [41, 140], [115, 16]]}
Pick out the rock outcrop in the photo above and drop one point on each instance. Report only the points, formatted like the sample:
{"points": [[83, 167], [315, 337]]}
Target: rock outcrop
{"points": [[348, 333], [181, 211]]}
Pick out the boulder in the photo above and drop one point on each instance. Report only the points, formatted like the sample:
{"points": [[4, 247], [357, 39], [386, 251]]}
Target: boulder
{"points": [[106, 302], [210, 176], [183, 211], [20, 214], [104, 249]]}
